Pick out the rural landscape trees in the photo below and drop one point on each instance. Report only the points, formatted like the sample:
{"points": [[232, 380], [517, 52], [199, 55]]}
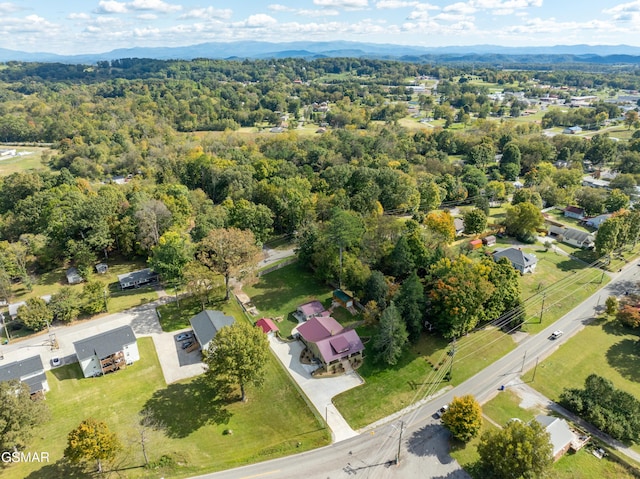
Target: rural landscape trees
{"points": [[92, 441], [19, 415]]}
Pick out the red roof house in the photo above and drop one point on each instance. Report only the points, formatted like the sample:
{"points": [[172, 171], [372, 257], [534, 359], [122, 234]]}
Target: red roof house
{"points": [[267, 325], [330, 342]]}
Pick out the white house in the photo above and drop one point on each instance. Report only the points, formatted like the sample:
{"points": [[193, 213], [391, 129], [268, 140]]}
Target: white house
{"points": [[29, 371], [135, 279], [107, 352]]}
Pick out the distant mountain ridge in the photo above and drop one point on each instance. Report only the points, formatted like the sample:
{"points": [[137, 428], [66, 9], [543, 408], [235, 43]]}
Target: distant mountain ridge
{"points": [[334, 49]]}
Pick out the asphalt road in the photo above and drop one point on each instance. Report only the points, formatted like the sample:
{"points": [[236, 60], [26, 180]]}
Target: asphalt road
{"points": [[424, 448]]}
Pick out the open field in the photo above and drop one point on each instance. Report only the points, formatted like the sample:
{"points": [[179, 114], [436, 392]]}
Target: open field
{"points": [[274, 422], [581, 465], [23, 163]]}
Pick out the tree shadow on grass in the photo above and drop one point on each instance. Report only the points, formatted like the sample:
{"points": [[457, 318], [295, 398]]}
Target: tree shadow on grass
{"points": [[569, 265], [431, 440], [614, 328], [624, 357], [62, 468], [182, 408]]}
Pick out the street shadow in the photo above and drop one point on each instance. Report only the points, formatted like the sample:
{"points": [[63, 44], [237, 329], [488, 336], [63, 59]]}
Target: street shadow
{"points": [[624, 357], [182, 408], [63, 468], [431, 440]]}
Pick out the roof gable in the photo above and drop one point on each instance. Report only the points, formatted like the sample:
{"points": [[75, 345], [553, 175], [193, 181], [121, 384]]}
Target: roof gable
{"points": [[516, 256], [104, 344], [267, 325], [207, 323], [21, 369], [319, 328]]}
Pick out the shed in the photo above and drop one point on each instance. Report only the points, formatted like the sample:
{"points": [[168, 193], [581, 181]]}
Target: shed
{"points": [[489, 240], [458, 224], [475, 244], [73, 277], [574, 212], [343, 299], [268, 326], [102, 268], [306, 311]]}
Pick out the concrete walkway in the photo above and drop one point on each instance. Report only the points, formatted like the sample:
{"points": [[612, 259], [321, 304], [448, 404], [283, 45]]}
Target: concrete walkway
{"points": [[318, 390]]}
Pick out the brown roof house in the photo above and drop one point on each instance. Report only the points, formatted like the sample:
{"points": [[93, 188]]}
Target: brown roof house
{"points": [[330, 343]]}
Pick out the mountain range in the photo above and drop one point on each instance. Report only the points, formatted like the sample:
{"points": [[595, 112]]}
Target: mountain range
{"points": [[332, 49]]}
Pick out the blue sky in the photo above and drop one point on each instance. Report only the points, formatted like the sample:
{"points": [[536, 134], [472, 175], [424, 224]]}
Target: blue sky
{"points": [[88, 26]]}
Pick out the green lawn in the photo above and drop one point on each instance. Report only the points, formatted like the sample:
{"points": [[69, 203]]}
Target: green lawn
{"points": [[280, 292], [174, 316], [389, 389], [274, 422]]}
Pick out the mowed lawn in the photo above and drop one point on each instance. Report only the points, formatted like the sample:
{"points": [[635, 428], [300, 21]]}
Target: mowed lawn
{"points": [[581, 465], [279, 293], [389, 389], [274, 422]]}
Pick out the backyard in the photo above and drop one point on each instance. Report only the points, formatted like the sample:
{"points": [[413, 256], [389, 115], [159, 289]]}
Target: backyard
{"points": [[190, 439]]}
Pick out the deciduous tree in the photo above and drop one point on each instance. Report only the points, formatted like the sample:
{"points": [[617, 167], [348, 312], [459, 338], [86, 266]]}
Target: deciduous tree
{"points": [[463, 418], [92, 440], [35, 314], [202, 282], [519, 450], [522, 220], [169, 257], [441, 223], [94, 297], [19, 414], [65, 304], [238, 355], [411, 305], [475, 221], [228, 251]]}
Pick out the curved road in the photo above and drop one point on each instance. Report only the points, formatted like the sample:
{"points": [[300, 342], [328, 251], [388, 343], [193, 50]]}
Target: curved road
{"points": [[423, 446]]}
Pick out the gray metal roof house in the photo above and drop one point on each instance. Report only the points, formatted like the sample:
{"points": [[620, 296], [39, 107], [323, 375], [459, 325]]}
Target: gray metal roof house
{"points": [[29, 371], [560, 434], [73, 277], [206, 325], [523, 262], [135, 279], [107, 352]]}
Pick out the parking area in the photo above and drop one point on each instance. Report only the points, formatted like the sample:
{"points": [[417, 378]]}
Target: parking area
{"points": [[177, 363]]}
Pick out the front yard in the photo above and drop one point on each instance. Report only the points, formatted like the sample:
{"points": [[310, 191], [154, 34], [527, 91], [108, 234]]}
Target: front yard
{"points": [[191, 440]]}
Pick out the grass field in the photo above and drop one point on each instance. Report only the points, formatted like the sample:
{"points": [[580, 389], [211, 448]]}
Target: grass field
{"points": [[31, 161], [274, 422], [581, 465]]}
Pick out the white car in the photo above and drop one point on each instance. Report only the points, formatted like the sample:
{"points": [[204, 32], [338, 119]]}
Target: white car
{"points": [[442, 410], [556, 334], [55, 361]]}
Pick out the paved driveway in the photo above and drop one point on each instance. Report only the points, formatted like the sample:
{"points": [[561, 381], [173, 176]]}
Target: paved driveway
{"points": [[318, 390], [175, 362]]}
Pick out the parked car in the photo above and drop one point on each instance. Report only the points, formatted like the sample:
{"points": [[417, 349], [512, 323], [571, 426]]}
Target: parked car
{"points": [[556, 334], [55, 361], [187, 344], [183, 336], [442, 410]]}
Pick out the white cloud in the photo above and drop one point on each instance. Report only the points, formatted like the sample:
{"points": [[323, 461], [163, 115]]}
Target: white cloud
{"points": [[7, 7], [147, 16], [208, 13], [547, 26], [346, 4], [276, 7], [79, 16], [392, 4], [111, 6], [259, 20], [155, 5], [504, 7], [459, 8], [625, 12]]}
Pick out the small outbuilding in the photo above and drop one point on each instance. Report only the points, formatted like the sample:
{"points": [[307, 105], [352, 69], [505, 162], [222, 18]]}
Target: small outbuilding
{"points": [[268, 326], [489, 240], [309, 310], [574, 212], [73, 277], [102, 268], [343, 299], [475, 244]]}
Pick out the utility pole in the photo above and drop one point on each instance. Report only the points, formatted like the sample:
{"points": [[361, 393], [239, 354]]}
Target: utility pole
{"points": [[544, 296], [399, 442], [523, 360], [534, 371], [453, 353]]}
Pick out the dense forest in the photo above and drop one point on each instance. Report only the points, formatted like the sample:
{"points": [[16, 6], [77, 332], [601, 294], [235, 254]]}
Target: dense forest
{"points": [[338, 191]]}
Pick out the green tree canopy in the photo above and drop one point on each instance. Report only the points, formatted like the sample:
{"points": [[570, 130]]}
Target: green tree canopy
{"points": [[238, 354], [169, 257], [35, 314], [522, 220], [517, 451], [475, 221], [19, 414], [411, 305], [391, 337]]}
